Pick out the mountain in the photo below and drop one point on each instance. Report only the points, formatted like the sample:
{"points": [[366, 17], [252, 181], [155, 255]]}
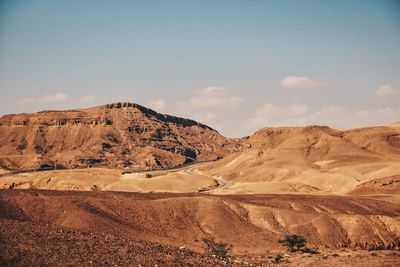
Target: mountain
{"points": [[117, 135], [310, 159]]}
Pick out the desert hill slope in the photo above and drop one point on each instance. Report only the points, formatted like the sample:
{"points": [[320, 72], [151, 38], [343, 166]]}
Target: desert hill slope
{"points": [[311, 159], [250, 223], [114, 135]]}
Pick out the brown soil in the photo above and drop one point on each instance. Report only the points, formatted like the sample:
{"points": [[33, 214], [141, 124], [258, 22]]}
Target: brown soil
{"points": [[59, 228], [35, 244]]}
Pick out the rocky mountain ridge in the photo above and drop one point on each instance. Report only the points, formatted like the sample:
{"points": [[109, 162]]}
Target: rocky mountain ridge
{"points": [[117, 135]]}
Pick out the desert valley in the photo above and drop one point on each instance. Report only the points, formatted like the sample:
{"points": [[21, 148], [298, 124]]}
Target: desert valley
{"points": [[121, 184]]}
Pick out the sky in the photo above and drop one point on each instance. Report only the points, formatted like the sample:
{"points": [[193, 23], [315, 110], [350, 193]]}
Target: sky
{"points": [[237, 66]]}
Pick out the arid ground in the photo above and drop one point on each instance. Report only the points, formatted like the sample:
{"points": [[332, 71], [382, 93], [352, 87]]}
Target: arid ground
{"points": [[122, 185], [41, 227]]}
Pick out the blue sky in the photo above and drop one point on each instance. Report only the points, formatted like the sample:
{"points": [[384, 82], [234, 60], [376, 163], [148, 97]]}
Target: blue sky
{"points": [[235, 65]]}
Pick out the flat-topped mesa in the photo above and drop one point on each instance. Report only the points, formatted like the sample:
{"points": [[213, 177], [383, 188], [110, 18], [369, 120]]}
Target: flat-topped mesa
{"points": [[91, 116], [162, 117], [51, 118], [114, 135]]}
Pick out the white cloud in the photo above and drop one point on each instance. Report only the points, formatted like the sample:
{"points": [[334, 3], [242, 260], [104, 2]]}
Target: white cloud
{"points": [[208, 97], [86, 99], [386, 90], [271, 115], [275, 115], [158, 105], [49, 98], [302, 82]]}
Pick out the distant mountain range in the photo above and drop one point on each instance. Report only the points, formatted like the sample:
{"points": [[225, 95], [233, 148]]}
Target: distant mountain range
{"points": [[130, 136]]}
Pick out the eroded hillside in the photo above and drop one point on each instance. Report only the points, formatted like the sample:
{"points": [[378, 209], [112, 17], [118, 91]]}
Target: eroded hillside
{"points": [[117, 135], [252, 224], [311, 159]]}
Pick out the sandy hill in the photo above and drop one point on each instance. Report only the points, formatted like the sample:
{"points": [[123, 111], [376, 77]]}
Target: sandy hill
{"points": [[116, 135], [310, 159]]}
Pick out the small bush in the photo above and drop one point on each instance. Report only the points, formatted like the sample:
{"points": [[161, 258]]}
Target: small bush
{"points": [[278, 258], [148, 175], [219, 249], [294, 242]]}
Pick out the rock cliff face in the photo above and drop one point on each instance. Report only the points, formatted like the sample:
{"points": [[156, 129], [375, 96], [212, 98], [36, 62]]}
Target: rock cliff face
{"points": [[118, 135]]}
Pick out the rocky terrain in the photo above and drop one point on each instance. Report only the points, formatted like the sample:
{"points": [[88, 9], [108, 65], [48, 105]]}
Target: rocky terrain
{"points": [[247, 222], [312, 159], [119, 135], [35, 244], [56, 228], [339, 189], [129, 137]]}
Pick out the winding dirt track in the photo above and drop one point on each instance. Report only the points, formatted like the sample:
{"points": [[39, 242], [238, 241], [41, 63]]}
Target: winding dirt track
{"points": [[220, 182]]}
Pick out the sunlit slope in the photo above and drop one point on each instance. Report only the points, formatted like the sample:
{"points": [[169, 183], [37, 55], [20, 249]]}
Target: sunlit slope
{"points": [[310, 159], [118, 135]]}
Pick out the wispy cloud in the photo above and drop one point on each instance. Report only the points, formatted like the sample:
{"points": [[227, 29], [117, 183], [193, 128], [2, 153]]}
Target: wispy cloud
{"points": [[209, 119], [86, 99], [302, 82], [49, 98], [158, 105], [55, 98], [277, 115], [386, 90], [271, 115], [212, 97]]}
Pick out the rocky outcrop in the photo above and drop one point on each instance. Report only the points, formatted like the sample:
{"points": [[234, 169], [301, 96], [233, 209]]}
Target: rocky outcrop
{"points": [[116, 135]]}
